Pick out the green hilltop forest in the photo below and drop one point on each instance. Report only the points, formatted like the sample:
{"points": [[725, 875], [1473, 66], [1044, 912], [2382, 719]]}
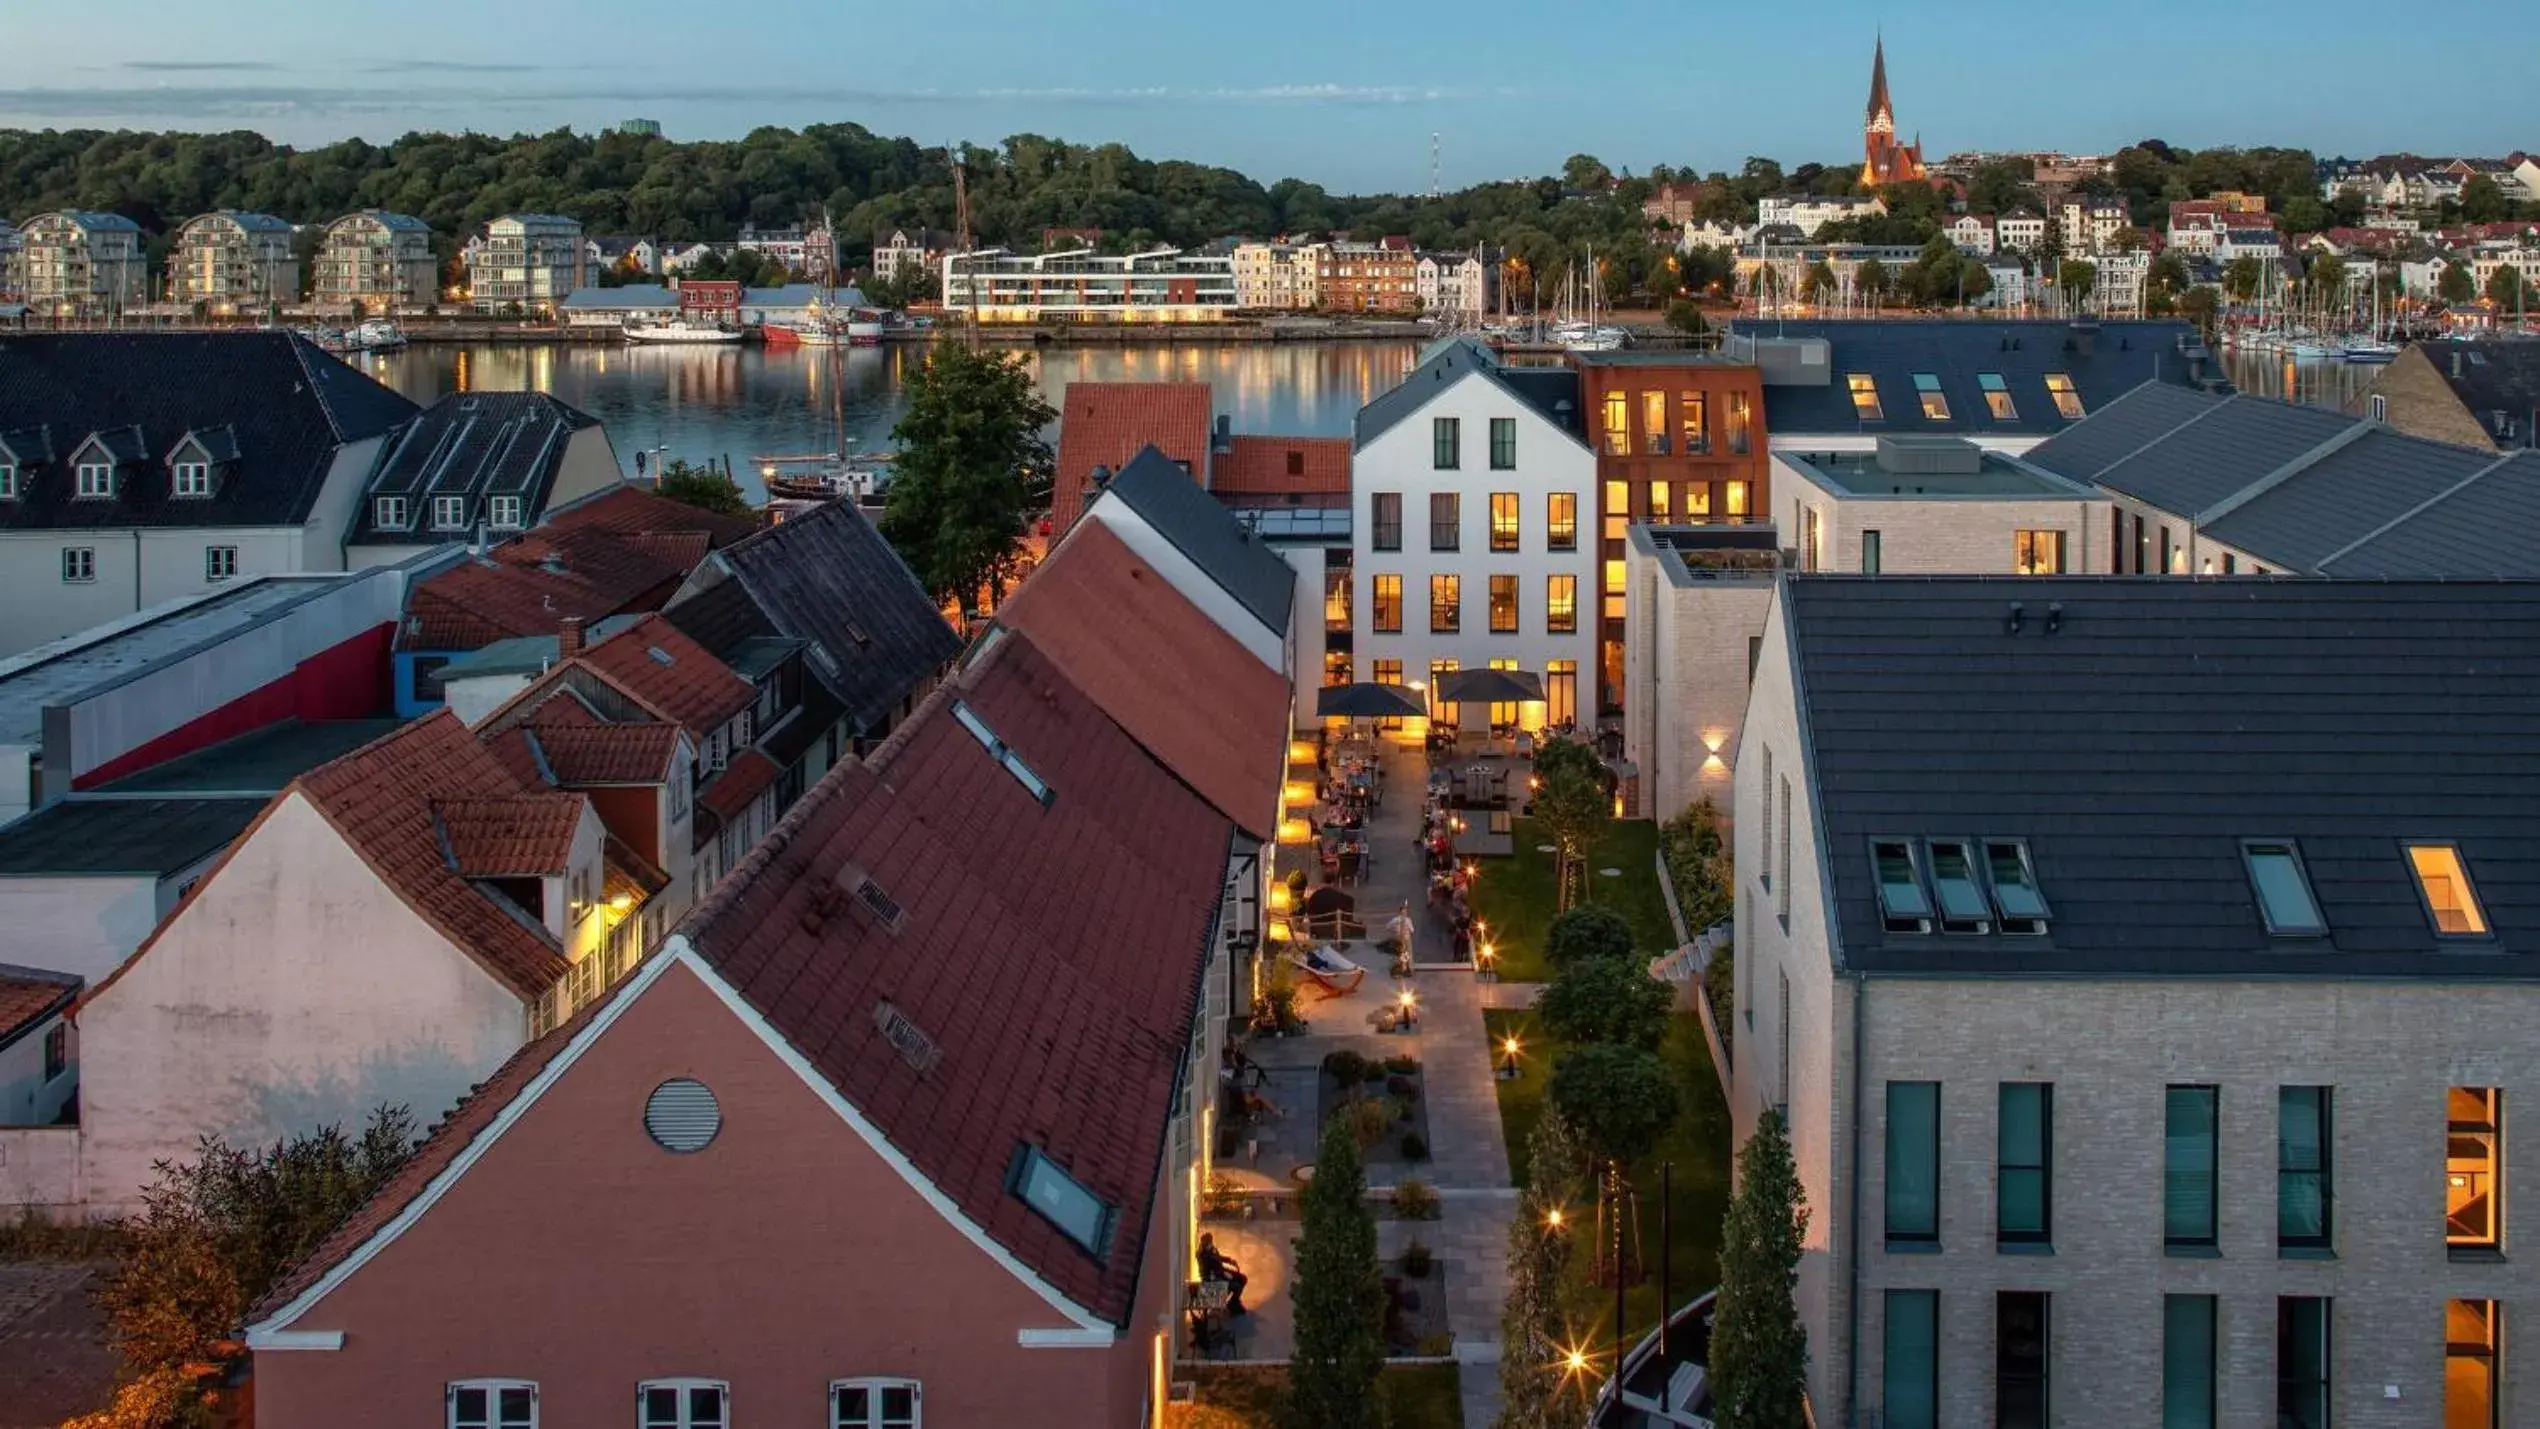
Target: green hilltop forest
{"points": [[616, 183]]}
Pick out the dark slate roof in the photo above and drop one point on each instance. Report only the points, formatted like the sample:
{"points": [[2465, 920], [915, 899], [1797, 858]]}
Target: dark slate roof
{"points": [[2164, 721], [2344, 497], [2500, 375], [2221, 453], [1449, 361], [2479, 530], [286, 405], [153, 837], [473, 445], [261, 762], [2112, 433], [1200, 527], [828, 577], [2123, 356]]}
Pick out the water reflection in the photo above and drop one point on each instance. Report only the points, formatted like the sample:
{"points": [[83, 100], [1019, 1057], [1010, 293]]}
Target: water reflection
{"points": [[2318, 384]]}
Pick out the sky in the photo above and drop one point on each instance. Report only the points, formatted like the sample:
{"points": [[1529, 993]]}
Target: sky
{"points": [[1344, 93]]}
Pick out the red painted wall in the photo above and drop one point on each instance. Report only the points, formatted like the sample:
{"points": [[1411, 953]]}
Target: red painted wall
{"points": [[351, 680], [784, 1255], [634, 816]]}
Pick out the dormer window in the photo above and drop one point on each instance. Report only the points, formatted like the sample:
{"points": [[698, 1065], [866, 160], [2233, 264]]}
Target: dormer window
{"points": [[449, 513], [391, 513], [503, 513], [8, 481], [192, 478], [2018, 903], [96, 479]]}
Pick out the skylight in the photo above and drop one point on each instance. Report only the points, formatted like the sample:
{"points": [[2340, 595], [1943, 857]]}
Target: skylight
{"points": [[1865, 395], [2283, 887], [1902, 903], [1997, 397], [1037, 786], [1079, 1214], [2017, 900], [1963, 908], [1927, 391], [2444, 882], [2067, 400]]}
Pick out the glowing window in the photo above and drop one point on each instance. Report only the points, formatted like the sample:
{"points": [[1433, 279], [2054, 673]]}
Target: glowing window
{"points": [[1865, 396], [2444, 882], [1997, 397], [1927, 391], [2067, 400]]}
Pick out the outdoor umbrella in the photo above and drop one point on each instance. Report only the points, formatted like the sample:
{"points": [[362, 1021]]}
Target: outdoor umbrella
{"points": [[1494, 687], [1327, 900], [1370, 701]]}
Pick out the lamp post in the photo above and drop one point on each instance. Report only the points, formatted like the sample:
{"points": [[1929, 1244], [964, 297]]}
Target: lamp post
{"points": [[1409, 1005], [1508, 1069]]}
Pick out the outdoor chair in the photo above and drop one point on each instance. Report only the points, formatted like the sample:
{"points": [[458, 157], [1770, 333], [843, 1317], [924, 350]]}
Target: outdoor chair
{"points": [[1330, 969]]}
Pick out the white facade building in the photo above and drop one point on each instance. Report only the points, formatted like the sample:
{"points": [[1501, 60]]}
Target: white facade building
{"points": [[1160, 285], [527, 262], [1278, 277], [1455, 285], [1714, 233], [2090, 224], [81, 264], [380, 260], [2021, 232], [1973, 233], [1808, 212], [234, 263]]}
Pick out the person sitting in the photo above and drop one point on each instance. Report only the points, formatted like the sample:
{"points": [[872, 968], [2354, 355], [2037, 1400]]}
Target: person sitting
{"points": [[1215, 1264]]}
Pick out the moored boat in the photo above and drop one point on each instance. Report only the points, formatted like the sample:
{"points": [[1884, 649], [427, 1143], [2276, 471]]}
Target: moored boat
{"points": [[680, 330]]}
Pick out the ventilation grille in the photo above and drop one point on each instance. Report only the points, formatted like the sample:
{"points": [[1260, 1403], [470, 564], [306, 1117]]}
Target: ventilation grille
{"points": [[914, 1045], [681, 1115]]}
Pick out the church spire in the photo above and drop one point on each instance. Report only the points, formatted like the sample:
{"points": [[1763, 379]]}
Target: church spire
{"points": [[1879, 106]]}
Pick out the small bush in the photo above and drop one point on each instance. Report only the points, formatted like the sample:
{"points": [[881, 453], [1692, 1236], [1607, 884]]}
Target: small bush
{"points": [[1371, 1073], [1418, 1260], [1719, 984], [1401, 1086], [1369, 1120], [1413, 1200], [1345, 1067], [1402, 1064], [1225, 1196], [1590, 930], [1415, 1147]]}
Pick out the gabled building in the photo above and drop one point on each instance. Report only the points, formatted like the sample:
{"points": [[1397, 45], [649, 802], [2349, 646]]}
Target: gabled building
{"points": [[1888, 160], [36, 1058], [81, 264], [1101, 425], [2147, 972], [377, 260], [619, 253], [232, 263], [906, 252], [2472, 394], [476, 465]]}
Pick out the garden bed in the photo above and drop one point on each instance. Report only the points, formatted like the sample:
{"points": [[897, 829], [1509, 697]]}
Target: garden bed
{"points": [[1417, 1396], [1386, 1099], [1415, 1305]]}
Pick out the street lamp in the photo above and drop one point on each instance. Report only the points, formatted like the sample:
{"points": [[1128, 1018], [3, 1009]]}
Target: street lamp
{"points": [[1410, 1010], [1508, 1072]]}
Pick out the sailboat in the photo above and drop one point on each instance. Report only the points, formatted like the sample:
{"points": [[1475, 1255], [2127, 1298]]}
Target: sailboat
{"points": [[2374, 346], [1590, 335]]}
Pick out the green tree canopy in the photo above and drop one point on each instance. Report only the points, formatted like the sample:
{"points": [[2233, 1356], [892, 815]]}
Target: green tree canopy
{"points": [[1759, 1353], [2077, 277], [2483, 200], [1618, 1097], [708, 488], [2455, 284], [1587, 933], [2241, 277], [1607, 1000], [1686, 318], [972, 469], [2504, 286], [1340, 1298]]}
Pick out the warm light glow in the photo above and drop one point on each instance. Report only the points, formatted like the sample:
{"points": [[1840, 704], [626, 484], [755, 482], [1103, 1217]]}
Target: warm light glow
{"points": [[1575, 1361], [620, 903], [1618, 806], [1510, 1047], [1278, 932], [1715, 739], [1295, 831], [1298, 794], [1408, 1001], [1552, 1218], [1281, 900], [1301, 751]]}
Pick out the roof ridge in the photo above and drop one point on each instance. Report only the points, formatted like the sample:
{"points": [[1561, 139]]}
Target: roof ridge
{"points": [[2415, 511], [2302, 461]]}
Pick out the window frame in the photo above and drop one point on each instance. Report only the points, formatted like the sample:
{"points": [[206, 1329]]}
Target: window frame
{"points": [[2488, 1354], [1561, 616], [57, 1050], [1890, 914], [1914, 1233], [8, 481], [93, 481], [1504, 585], [1617, 423], [875, 1417], [1741, 424], [2493, 1129], [2485, 931], [2024, 550], [1860, 386], [1997, 397], [2173, 1242], [1446, 443], [1446, 521], [2045, 1355], [2205, 1414], [2251, 850], [1505, 535], [495, 506], [1446, 603], [1383, 617], [449, 503], [2324, 1352], [1503, 444], [2043, 1167], [1964, 921], [1020, 1177], [2066, 396], [685, 1386], [2021, 924], [1561, 533], [86, 561], [197, 473], [1873, 549], [213, 568], [2324, 1111], [1384, 534], [493, 1388], [1693, 422], [1926, 1408], [1930, 398]]}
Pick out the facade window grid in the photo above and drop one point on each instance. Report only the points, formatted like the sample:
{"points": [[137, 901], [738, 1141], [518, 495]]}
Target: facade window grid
{"points": [[2189, 1179], [1912, 1214], [1503, 605], [491, 1404], [1561, 521], [1446, 521], [1385, 604], [1503, 521], [2024, 1199], [1446, 604], [1561, 605], [220, 563]]}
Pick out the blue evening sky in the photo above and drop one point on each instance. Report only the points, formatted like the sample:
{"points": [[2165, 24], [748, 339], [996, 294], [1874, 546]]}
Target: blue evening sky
{"points": [[1341, 92]]}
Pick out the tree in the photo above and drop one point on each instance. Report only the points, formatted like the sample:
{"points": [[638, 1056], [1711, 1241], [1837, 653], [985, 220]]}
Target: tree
{"points": [[1759, 1354], [1585, 171], [1974, 279], [707, 488], [1340, 1298], [1698, 859], [1586, 933], [2455, 285], [2504, 287], [2241, 277], [2328, 278], [1870, 279], [1818, 283], [2482, 200], [1685, 317], [1533, 1320], [2076, 277], [1572, 807], [971, 456], [1607, 1000], [2305, 214], [2168, 274], [1619, 1099]]}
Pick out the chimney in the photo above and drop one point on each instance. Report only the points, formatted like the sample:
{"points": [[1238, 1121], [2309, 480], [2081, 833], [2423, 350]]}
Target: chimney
{"points": [[2456, 364], [1225, 439], [568, 637]]}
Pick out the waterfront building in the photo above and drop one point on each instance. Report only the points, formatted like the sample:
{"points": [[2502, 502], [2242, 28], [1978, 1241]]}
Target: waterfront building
{"points": [[1886, 160], [526, 263], [910, 252], [602, 255], [1973, 233], [234, 263], [1379, 277], [1809, 212], [1161, 285], [1459, 287], [81, 264], [2020, 231], [380, 260], [1278, 277]]}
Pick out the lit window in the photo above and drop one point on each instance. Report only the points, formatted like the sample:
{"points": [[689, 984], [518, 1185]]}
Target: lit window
{"points": [[2037, 553], [1865, 396], [684, 1403], [1618, 510], [1618, 424], [2472, 1335], [1963, 908], [1078, 1213], [1385, 602], [2444, 882], [873, 1404], [1997, 397], [1741, 424], [2283, 887], [1336, 602], [1697, 428], [1503, 521], [1738, 501], [390, 512], [1653, 419], [1561, 605], [2474, 1123], [2067, 400], [503, 513], [492, 1404], [1697, 500], [449, 512], [79, 564], [193, 478], [1446, 604], [1503, 605], [1614, 577], [1903, 904], [1658, 502], [1927, 391], [1561, 521], [96, 479], [220, 562]]}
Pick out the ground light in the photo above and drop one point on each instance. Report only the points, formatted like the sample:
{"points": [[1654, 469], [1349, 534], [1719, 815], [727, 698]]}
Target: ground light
{"points": [[1509, 1071]]}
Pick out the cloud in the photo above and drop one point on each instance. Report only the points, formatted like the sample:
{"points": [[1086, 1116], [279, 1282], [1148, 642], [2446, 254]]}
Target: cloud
{"points": [[201, 66], [452, 67]]}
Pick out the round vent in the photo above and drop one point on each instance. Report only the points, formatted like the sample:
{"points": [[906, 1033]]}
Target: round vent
{"points": [[681, 1115]]}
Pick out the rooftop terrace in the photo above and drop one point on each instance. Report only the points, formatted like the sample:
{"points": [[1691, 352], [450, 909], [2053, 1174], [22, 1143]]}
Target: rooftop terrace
{"points": [[1946, 468]]}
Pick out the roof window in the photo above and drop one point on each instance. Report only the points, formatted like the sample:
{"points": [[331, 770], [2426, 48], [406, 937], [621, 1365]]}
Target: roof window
{"points": [[1927, 391], [2443, 881], [1997, 397], [1033, 783], [1963, 908], [2283, 887], [1865, 396], [2018, 902], [1903, 905], [2067, 400], [660, 656], [1079, 1214]]}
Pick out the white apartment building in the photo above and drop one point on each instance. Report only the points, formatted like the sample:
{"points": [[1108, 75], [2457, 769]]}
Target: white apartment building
{"points": [[233, 262], [2248, 240], [1973, 233], [1455, 285], [79, 264], [909, 252], [378, 259], [2090, 223], [2118, 281], [2138, 1076], [526, 262], [810, 252], [1472, 494], [1278, 277], [1714, 233], [1808, 212], [2021, 232], [1161, 285]]}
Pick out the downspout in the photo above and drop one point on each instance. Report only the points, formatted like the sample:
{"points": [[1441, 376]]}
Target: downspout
{"points": [[1852, 1252], [136, 570]]}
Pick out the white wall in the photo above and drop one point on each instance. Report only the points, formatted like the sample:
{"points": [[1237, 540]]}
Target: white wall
{"points": [[27, 1096], [294, 990], [1691, 656], [339, 501], [1305, 633], [81, 925], [590, 466], [474, 698]]}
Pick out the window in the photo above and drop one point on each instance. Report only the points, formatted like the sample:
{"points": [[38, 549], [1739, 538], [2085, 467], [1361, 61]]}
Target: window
{"points": [[1503, 444], [1618, 424], [2301, 1362], [2024, 1177], [1658, 502], [684, 1403], [503, 513], [1903, 905], [2188, 1181], [1870, 553], [1909, 1391], [1963, 906], [2471, 1341], [2444, 883], [1337, 667], [1503, 605], [1336, 617], [1446, 521], [390, 513], [2037, 553], [1078, 1213], [1618, 510], [2472, 1170], [1865, 396], [96, 478], [873, 1404], [1781, 889], [1385, 515], [2017, 904], [1653, 421], [1737, 502], [1913, 1163], [79, 564], [193, 478], [1561, 605], [8, 481], [220, 562], [1446, 604], [1935, 403], [1696, 423], [1997, 397], [2380, 407], [2283, 888], [2302, 1186], [1560, 691], [492, 1404], [1697, 500], [449, 512], [2187, 1361], [57, 1050], [1388, 672], [1446, 443], [1781, 1052], [1004, 753], [1385, 599], [2067, 401], [2019, 1360], [1503, 521], [1741, 424], [1764, 875], [1561, 521]]}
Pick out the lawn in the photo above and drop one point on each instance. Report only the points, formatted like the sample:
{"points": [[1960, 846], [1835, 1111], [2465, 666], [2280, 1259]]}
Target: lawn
{"points": [[1514, 895], [1417, 1396], [1698, 1144]]}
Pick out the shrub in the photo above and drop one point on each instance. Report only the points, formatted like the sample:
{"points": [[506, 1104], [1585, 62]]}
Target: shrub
{"points": [[1369, 1120], [1402, 1064], [1345, 1067], [1418, 1260], [1719, 984], [1607, 1000], [1698, 864], [1401, 1086], [1413, 1200], [1415, 1147], [1588, 931], [1225, 1196]]}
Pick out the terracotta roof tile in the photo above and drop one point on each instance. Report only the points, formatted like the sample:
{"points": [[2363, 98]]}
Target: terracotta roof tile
{"points": [[514, 836], [745, 778], [1209, 709], [28, 994], [591, 753], [633, 509], [1106, 423], [670, 674], [596, 559], [1281, 466]]}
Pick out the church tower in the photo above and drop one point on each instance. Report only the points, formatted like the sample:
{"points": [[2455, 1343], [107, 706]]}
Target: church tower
{"points": [[1884, 161]]}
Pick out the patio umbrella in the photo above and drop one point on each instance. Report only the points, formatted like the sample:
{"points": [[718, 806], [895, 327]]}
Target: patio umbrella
{"points": [[1369, 701], [1494, 687], [1327, 900]]}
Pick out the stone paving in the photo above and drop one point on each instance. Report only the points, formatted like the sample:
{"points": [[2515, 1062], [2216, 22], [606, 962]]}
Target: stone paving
{"points": [[55, 1361]]}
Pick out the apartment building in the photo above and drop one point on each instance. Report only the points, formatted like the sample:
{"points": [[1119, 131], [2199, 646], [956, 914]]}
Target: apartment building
{"points": [[2020, 231], [1380, 277], [910, 252], [2148, 1035], [1810, 212], [1161, 285], [1278, 277], [233, 263], [1974, 233], [2089, 224], [12, 253], [1456, 286], [380, 260], [80, 264], [812, 252], [526, 263], [1473, 543]]}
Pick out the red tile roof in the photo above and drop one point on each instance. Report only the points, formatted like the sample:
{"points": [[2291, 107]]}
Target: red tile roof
{"points": [[1282, 466], [583, 753], [29, 994], [633, 509], [1106, 423], [742, 780], [514, 836], [1159, 666], [671, 675]]}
